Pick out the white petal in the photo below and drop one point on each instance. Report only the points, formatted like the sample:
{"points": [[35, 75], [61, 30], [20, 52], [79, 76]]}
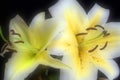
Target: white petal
{"points": [[38, 20], [112, 71], [45, 59], [13, 69], [113, 26], [113, 48], [72, 74], [69, 75], [44, 34], [98, 15], [59, 8], [18, 25], [62, 42], [49, 31], [72, 12]]}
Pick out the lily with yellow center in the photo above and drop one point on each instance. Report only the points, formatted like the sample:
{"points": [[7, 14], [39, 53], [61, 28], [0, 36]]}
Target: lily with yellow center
{"points": [[89, 43], [29, 45]]}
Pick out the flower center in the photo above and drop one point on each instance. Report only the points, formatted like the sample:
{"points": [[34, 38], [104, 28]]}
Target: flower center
{"points": [[90, 38], [21, 45]]}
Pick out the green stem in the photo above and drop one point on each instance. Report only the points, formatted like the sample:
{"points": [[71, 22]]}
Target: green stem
{"points": [[2, 36]]}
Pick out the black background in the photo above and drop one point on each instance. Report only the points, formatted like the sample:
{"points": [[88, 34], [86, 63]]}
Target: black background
{"points": [[28, 9]]}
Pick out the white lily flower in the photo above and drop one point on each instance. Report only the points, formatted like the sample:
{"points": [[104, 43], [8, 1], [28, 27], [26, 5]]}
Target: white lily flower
{"points": [[89, 43], [29, 45]]}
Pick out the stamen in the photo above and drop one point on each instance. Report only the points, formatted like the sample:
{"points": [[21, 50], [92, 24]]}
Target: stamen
{"points": [[99, 26], [81, 34], [93, 49], [18, 42], [13, 33], [11, 50], [105, 33], [45, 49], [104, 46], [91, 29], [3, 47]]}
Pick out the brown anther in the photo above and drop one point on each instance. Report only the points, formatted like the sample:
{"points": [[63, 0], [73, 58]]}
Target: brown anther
{"points": [[14, 33], [105, 33], [3, 47], [79, 34], [45, 49], [11, 50], [9, 43], [91, 28], [93, 49], [99, 26], [18, 42], [104, 46]]}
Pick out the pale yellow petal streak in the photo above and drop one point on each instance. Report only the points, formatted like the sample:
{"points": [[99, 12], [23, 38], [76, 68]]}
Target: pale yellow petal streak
{"points": [[96, 18], [38, 20], [19, 66], [62, 42], [41, 36], [98, 15], [72, 12], [45, 59], [108, 67], [83, 66], [74, 21]]}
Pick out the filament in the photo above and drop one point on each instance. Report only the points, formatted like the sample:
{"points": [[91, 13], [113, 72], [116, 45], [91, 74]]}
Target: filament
{"points": [[4, 46]]}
